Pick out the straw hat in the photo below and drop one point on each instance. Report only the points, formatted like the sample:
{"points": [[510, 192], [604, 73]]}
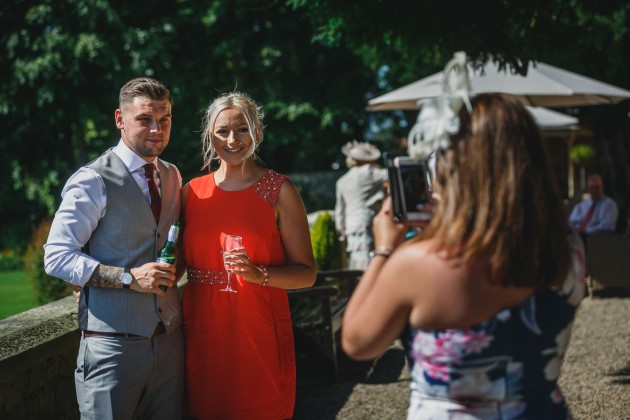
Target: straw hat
{"points": [[363, 152]]}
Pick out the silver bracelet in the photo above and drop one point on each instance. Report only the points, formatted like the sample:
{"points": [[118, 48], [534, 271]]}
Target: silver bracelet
{"points": [[381, 251], [384, 251], [266, 274]]}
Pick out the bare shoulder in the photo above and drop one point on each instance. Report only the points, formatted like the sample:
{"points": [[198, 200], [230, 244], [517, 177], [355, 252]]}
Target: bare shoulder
{"points": [[448, 293], [417, 256], [289, 196], [412, 268], [290, 211], [437, 286]]}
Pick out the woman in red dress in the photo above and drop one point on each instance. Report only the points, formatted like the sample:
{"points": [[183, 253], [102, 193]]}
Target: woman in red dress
{"points": [[240, 360]]}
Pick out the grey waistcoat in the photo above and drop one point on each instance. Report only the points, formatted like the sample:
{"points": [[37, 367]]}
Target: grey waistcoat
{"points": [[127, 236]]}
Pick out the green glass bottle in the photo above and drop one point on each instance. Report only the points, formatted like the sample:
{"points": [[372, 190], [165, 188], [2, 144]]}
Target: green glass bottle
{"points": [[167, 253]]}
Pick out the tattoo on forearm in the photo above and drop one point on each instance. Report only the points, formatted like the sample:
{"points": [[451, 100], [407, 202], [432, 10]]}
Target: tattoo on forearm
{"points": [[105, 276]]}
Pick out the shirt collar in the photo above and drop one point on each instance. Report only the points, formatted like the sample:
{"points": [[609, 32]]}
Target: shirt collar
{"points": [[132, 161]]}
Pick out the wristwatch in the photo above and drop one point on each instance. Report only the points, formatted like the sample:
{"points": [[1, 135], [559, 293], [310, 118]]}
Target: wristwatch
{"points": [[126, 278]]}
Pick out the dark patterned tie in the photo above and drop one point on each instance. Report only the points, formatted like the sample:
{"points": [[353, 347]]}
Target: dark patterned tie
{"points": [[156, 200]]}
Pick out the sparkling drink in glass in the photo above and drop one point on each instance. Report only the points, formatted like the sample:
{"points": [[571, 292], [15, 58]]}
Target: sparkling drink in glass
{"points": [[230, 243]]}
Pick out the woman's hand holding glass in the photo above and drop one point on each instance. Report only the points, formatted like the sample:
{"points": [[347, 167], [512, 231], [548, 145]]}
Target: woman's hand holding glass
{"points": [[232, 247], [237, 262]]}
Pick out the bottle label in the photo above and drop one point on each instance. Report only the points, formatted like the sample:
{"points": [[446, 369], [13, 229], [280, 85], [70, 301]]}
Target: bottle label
{"points": [[173, 232]]}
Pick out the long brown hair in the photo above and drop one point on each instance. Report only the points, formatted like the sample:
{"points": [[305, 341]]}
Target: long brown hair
{"points": [[499, 198]]}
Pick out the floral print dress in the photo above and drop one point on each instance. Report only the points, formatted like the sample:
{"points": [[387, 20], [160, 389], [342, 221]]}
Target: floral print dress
{"points": [[504, 368]]}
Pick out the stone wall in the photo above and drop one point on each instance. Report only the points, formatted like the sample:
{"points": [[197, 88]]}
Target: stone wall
{"points": [[38, 350], [317, 188]]}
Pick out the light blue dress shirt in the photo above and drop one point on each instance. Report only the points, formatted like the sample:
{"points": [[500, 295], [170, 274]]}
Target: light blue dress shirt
{"points": [[604, 217]]}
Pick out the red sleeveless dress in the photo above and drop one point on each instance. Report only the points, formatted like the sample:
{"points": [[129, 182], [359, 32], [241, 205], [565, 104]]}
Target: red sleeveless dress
{"points": [[240, 359]]}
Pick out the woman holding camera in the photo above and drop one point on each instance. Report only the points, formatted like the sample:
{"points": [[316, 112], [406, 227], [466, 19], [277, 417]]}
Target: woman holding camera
{"points": [[485, 297]]}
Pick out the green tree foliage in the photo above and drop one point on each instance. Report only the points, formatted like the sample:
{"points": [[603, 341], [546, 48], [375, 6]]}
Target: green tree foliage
{"points": [[47, 289], [412, 37], [312, 65], [403, 41], [326, 245], [10, 259], [581, 153], [63, 62]]}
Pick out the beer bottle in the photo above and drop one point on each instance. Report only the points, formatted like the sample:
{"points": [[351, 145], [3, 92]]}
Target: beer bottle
{"points": [[167, 253]]}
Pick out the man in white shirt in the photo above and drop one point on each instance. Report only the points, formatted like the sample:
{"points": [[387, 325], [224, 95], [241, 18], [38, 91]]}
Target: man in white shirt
{"points": [[114, 217]]}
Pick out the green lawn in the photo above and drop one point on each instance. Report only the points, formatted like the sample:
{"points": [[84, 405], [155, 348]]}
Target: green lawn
{"points": [[16, 293]]}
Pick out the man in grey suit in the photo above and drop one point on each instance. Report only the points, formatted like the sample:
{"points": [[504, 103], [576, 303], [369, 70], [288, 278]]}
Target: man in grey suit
{"points": [[114, 216]]}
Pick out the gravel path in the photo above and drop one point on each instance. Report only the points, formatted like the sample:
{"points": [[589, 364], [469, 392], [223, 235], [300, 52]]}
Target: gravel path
{"points": [[363, 390], [595, 376]]}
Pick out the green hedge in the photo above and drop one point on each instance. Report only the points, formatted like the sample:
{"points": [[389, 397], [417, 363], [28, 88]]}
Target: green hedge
{"points": [[46, 288], [10, 259], [326, 245]]}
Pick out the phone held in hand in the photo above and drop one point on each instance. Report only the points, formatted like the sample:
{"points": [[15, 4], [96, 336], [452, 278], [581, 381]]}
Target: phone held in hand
{"points": [[409, 183]]}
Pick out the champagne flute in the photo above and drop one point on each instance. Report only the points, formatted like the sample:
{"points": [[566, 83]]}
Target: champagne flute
{"points": [[229, 243]]}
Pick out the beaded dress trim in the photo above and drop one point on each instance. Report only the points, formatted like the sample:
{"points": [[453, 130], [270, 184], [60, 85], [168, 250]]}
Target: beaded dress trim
{"points": [[267, 188], [196, 275]]}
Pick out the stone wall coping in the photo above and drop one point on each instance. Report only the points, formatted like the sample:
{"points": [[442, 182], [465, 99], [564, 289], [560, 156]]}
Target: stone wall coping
{"points": [[29, 329]]}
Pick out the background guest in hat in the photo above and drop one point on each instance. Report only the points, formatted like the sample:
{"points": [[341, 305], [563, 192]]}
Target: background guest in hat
{"points": [[359, 195]]}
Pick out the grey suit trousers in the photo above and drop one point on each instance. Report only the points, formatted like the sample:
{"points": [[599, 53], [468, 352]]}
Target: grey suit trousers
{"points": [[131, 378]]}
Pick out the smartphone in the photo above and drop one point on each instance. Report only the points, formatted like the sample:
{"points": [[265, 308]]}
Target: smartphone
{"points": [[409, 188]]}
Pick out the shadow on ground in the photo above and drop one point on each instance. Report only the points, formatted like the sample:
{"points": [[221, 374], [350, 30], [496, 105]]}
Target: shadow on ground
{"points": [[611, 292], [321, 398], [622, 376]]}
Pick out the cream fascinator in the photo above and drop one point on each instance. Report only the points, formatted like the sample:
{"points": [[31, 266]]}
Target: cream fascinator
{"points": [[438, 117]]}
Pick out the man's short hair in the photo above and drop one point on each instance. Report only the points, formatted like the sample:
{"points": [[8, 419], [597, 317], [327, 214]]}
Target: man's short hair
{"points": [[143, 87]]}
